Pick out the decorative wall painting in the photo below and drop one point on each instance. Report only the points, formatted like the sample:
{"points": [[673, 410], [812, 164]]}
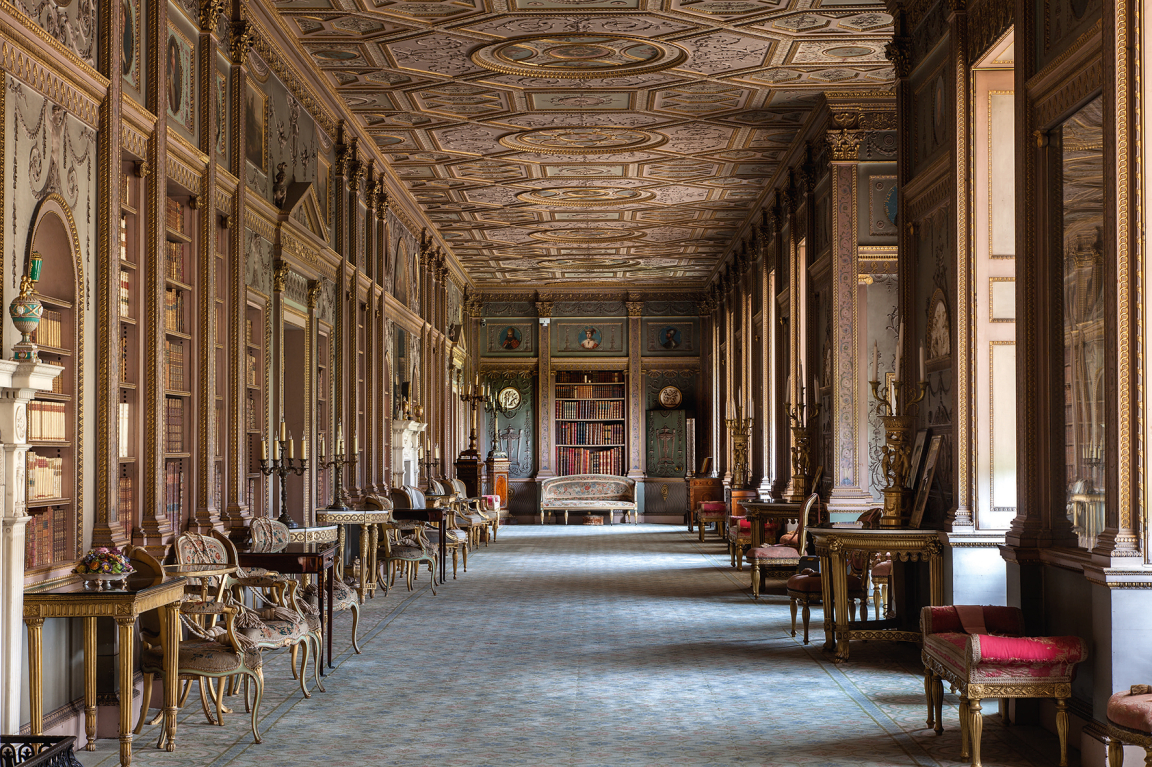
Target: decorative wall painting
{"points": [[925, 486], [255, 125], [178, 54]]}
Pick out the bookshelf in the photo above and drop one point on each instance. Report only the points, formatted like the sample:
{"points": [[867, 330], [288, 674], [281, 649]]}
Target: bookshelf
{"points": [[179, 301], [591, 426], [50, 468], [220, 413], [323, 434], [128, 479], [254, 418], [359, 470]]}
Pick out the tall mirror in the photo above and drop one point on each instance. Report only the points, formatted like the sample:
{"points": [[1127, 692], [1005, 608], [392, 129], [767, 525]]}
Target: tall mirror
{"points": [[401, 385], [1081, 206]]}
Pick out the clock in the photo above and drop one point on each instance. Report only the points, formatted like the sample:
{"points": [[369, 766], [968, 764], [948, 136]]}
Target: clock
{"points": [[670, 397], [509, 398]]}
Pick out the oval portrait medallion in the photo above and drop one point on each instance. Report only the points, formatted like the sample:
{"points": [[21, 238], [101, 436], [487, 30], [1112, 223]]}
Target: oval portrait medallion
{"points": [[578, 56], [586, 235]]}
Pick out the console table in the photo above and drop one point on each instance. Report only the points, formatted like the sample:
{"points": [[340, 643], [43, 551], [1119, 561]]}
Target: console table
{"points": [[833, 546], [369, 538]]}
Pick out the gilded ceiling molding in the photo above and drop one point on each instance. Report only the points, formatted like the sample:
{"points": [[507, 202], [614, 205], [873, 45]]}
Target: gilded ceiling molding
{"points": [[18, 62]]}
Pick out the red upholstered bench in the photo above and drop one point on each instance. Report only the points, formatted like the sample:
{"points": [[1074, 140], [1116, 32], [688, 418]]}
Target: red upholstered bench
{"points": [[711, 511], [984, 653], [1130, 721]]}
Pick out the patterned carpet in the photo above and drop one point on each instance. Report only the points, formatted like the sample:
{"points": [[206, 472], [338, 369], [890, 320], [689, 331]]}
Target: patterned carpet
{"points": [[623, 645]]}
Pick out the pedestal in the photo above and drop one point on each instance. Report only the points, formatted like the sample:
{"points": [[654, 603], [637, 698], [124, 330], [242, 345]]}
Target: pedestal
{"points": [[498, 478], [470, 471]]}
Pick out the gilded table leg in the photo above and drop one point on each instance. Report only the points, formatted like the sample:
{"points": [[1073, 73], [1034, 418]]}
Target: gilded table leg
{"points": [[36, 674], [1062, 729], [373, 545], [341, 542], [171, 616], [840, 597], [363, 561], [127, 625], [90, 682], [965, 726], [976, 728], [826, 604]]}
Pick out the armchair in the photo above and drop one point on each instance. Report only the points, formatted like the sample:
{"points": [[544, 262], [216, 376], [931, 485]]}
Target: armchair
{"points": [[983, 652], [404, 553], [782, 559]]}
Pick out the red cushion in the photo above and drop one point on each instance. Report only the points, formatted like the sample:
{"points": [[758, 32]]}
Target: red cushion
{"points": [[1027, 651], [745, 525], [1131, 711], [981, 658], [712, 506], [1006, 621]]}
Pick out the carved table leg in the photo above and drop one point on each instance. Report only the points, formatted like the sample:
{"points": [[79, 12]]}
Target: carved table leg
{"points": [[90, 682], [36, 674], [828, 607], [840, 598], [363, 590], [976, 727], [126, 625], [1062, 729], [171, 642]]}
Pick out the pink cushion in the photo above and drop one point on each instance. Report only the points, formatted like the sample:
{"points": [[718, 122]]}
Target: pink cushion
{"points": [[774, 552], [1027, 651], [1131, 711], [1006, 621], [714, 514], [983, 658], [712, 506], [882, 570]]}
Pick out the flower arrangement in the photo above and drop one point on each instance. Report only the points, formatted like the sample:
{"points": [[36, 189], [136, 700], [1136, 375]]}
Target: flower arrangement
{"points": [[105, 561]]}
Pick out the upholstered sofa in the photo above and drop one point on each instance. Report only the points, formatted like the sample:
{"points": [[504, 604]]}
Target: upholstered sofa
{"points": [[593, 493]]}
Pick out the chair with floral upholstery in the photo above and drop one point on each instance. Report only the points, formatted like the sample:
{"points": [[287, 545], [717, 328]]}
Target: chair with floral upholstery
{"points": [[404, 552], [711, 512], [780, 560], [982, 651], [1130, 721]]}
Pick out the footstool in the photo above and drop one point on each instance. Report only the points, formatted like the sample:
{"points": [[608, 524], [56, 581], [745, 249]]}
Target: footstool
{"points": [[1130, 721], [983, 652], [593, 519]]}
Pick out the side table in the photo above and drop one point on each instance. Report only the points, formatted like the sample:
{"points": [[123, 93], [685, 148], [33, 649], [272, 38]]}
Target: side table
{"points": [[369, 539]]}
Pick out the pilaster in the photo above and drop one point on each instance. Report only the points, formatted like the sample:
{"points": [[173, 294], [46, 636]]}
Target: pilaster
{"points": [[635, 390], [544, 388]]}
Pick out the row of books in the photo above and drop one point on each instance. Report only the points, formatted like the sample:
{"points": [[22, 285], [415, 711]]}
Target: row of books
{"points": [[591, 391], [173, 489], [248, 333], [127, 505], [174, 265], [174, 215], [581, 460], [125, 293], [123, 238], [599, 376], [174, 366], [252, 413], [590, 409], [46, 422], [174, 310], [174, 425], [45, 476], [46, 538], [252, 373], [583, 433], [50, 331]]}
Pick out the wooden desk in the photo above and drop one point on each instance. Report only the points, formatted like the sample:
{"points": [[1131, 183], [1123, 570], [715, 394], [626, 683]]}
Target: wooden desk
{"points": [[301, 559], [73, 599], [833, 546], [429, 515], [369, 539], [758, 512]]}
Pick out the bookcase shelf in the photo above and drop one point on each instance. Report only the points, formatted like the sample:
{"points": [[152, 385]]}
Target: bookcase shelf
{"points": [[590, 422]]}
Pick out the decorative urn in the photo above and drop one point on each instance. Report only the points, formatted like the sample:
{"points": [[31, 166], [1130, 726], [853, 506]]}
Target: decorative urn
{"points": [[26, 311]]}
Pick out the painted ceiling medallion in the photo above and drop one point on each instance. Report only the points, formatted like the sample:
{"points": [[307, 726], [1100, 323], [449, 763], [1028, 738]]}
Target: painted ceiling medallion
{"points": [[586, 235], [584, 196], [578, 56], [597, 139]]}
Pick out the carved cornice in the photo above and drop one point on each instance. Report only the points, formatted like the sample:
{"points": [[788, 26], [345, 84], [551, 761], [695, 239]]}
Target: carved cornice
{"points": [[22, 65], [988, 21], [210, 11], [286, 72], [899, 51]]}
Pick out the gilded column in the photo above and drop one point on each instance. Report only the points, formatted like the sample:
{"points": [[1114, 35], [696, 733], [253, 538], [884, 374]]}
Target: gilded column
{"points": [[206, 511], [544, 376], [849, 468], [342, 244], [635, 389], [311, 422], [793, 383], [237, 457], [155, 527], [109, 529], [764, 385], [728, 314]]}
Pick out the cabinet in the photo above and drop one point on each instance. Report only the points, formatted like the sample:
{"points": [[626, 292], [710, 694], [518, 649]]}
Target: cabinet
{"points": [[666, 439]]}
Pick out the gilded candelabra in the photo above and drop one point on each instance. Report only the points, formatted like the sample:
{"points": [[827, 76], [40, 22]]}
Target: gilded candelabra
{"points": [[897, 412], [802, 417], [339, 460], [473, 398], [282, 466], [740, 430]]}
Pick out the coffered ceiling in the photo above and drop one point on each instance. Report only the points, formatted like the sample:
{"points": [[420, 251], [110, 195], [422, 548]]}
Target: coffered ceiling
{"points": [[567, 142]]}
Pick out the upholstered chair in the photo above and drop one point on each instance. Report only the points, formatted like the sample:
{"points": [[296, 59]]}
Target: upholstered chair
{"points": [[780, 560], [983, 653], [713, 512], [403, 551], [1130, 721]]}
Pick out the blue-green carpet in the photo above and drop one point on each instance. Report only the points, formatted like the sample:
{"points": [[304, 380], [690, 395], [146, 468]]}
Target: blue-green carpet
{"points": [[623, 645]]}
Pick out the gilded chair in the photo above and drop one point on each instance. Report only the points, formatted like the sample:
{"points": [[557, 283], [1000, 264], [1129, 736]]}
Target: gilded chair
{"points": [[982, 652], [806, 588], [219, 652], [711, 511], [781, 560], [404, 553], [477, 511], [1130, 721]]}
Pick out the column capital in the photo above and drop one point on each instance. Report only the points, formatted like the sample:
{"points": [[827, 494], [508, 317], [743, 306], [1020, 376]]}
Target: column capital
{"points": [[899, 51], [844, 144], [242, 38]]}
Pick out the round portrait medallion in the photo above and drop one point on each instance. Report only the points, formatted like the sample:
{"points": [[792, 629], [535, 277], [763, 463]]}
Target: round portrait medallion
{"points": [[671, 397]]}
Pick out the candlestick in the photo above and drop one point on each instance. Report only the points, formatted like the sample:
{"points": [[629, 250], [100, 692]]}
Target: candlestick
{"points": [[340, 434]]}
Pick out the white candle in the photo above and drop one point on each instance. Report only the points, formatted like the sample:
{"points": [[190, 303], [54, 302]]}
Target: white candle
{"points": [[264, 450], [922, 377], [283, 430], [304, 448], [291, 448], [899, 349], [875, 375], [321, 445], [276, 449]]}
